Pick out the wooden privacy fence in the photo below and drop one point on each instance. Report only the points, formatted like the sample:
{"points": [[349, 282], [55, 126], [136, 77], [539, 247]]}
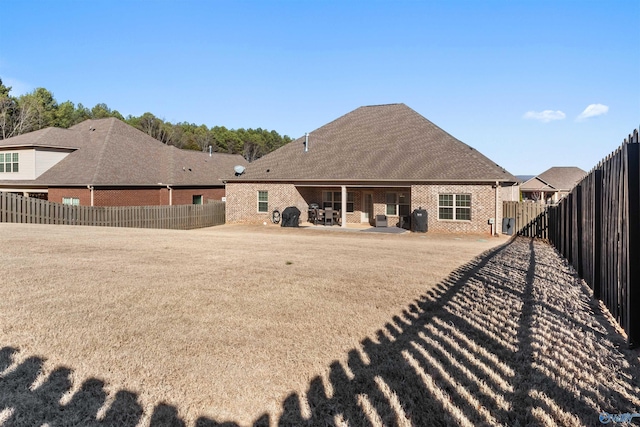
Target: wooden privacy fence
{"points": [[523, 212], [597, 229], [16, 208]]}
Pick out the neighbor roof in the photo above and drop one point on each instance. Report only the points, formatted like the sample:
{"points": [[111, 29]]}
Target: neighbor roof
{"points": [[377, 143], [557, 178], [110, 152]]}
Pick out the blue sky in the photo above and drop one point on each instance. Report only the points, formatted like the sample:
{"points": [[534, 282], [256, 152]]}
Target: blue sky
{"points": [[530, 84]]}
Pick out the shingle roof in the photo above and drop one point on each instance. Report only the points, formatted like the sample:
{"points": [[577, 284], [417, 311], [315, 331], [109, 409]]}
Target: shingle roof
{"points": [[49, 137], [110, 152], [558, 178], [377, 143]]}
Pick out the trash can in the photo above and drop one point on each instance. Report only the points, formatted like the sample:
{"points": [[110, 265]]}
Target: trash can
{"points": [[508, 224], [290, 217], [419, 220]]}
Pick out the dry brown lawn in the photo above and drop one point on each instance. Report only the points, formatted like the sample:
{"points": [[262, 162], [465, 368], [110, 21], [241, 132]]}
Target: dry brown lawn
{"points": [[225, 323]]}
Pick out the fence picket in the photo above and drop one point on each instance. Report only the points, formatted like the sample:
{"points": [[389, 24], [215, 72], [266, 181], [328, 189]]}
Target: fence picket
{"points": [[19, 209], [597, 229]]}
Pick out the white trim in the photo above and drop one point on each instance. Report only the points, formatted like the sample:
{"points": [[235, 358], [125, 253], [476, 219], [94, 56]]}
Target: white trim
{"points": [[343, 201], [258, 201], [397, 203], [455, 206]]}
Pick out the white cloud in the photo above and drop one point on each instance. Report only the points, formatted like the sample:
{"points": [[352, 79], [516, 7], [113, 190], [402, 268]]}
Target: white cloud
{"points": [[544, 116], [593, 110]]}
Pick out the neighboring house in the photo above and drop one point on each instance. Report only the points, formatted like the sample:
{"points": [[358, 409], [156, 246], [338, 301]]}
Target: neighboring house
{"points": [[551, 185], [376, 160], [106, 162]]}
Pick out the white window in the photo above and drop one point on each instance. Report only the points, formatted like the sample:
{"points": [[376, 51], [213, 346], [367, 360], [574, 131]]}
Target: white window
{"points": [[455, 207], [263, 201], [73, 201], [333, 199], [9, 162], [197, 199]]}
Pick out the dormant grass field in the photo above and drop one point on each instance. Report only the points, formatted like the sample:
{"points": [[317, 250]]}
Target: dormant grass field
{"points": [[222, 322], [270, 326]]}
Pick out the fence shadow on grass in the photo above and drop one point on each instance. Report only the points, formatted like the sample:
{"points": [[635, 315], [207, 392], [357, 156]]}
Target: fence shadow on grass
{"points": [[511, 338], [24, 405]]}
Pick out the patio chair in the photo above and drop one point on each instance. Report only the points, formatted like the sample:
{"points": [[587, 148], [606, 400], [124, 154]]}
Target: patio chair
{"points": [[381, 221], [328, 216]]}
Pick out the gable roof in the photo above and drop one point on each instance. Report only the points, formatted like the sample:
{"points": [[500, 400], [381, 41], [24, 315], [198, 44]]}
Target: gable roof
{"points": [[557, 178], [111, 152], [376, 143], [49, 137], [524, 178]]}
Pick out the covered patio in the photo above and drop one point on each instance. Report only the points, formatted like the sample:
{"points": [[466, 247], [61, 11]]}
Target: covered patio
{"points": [[356, 204]]}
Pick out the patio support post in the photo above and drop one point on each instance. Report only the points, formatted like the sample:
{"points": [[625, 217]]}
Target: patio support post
{"points": [[343, 211]]}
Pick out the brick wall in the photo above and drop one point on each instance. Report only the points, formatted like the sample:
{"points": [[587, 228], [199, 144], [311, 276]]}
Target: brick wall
{"points": [[242, 202], [56, 195], [126, 197], [135, 196], [483, 207], [184, 196]]}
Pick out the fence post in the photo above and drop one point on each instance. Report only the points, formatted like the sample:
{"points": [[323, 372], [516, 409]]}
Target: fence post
{"points": [[633, 257], [597, 233], [578, 237]]}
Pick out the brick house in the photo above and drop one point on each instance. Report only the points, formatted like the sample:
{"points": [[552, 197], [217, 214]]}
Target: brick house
{"points": [[376, 160], [106, 162], [551, 185]]}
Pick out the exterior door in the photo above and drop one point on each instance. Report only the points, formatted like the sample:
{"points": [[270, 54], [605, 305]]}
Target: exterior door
{"points": [[367, 208]]}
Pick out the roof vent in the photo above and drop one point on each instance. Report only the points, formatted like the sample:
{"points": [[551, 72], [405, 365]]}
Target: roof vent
{"points": [[306, 142], [238, 170]]}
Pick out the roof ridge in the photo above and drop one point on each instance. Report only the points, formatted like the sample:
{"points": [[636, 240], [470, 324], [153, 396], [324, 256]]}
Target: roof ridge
{"points": [[383, 105], [170, 163], [346, 114], [389, 142], [476, 154], [101, 152]]}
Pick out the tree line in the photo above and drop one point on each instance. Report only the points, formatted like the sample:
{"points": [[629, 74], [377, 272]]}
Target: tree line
{"points": [[39, 109]]}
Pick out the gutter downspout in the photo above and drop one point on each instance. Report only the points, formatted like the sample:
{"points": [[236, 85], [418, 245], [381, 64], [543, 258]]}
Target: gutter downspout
{"points": [[170, 194], [90, 187], [495, 231]]}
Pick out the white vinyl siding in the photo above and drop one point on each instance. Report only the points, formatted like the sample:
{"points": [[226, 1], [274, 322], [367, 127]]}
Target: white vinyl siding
{"points": [[31, 162], [45, 160]]}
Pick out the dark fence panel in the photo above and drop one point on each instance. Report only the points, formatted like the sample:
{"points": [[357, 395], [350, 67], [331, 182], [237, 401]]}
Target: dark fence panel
{"points": [[597, 229], [16, 208]]}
